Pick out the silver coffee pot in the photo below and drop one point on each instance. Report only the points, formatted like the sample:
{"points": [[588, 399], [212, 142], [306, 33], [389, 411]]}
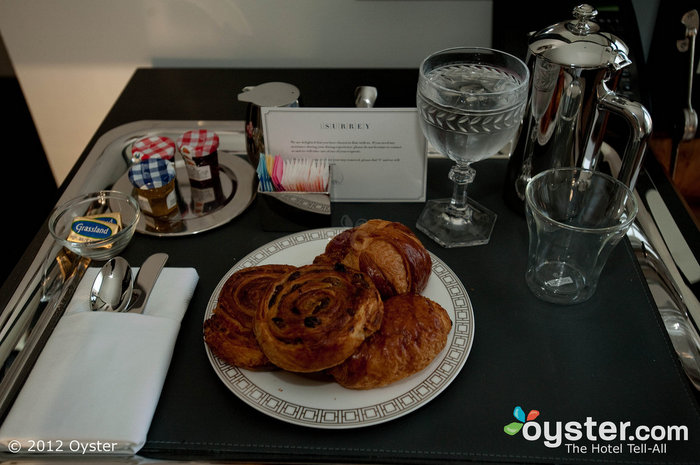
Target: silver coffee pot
{"points": [[574, 69], [269, 94]]}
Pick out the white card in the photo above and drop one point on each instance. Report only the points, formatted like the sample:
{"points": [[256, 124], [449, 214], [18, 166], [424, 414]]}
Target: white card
{"points": [[377, 154]]}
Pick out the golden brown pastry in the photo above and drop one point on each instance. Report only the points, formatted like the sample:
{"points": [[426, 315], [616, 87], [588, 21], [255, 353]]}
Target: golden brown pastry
{"points": [[391, 255], [317, 316], [229, 331], [414, 331]]}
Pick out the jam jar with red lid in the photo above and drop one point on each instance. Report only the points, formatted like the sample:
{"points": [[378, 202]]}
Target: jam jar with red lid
{"points": [[153, 147], [200, 150]]}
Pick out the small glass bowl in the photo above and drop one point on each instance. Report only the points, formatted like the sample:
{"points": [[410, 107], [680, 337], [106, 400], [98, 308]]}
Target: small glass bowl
{"points": [[96, 203]]}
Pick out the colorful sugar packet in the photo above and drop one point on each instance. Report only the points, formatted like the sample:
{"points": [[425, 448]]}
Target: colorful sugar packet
{"points": [[277, 174]]}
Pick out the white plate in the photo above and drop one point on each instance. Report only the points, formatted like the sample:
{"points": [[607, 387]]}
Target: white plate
{"points": [[306, 401]]}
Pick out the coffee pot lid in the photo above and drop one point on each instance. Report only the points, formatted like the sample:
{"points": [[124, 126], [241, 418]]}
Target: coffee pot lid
{"points": [[270, 94], [579, 43]]}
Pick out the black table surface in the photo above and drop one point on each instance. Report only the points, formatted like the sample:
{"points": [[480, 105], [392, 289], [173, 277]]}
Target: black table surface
{"points": [[607, 360]]}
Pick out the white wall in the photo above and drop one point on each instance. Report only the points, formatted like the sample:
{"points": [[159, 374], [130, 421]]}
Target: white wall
{"points": [[73, 57]]}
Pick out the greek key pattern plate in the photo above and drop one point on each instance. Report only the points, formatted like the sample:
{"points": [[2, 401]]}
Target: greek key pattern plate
{"points": [[319, 403]]}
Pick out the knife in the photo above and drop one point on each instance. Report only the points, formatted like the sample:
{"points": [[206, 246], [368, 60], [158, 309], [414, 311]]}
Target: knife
{"points": [[679, 248], [145, 280]]}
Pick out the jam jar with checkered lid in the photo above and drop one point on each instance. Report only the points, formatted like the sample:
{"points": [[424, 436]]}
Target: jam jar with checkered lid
{"points": [[153, 147], [200, 150], [154, 186]]}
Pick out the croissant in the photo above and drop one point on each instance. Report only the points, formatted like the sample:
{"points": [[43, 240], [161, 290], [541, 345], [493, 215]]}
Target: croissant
{"points": [[317, 316], [414, 331], [229, 331], [391, 255]]}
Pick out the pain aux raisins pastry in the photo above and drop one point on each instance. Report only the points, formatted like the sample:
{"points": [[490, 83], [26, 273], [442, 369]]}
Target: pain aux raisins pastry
{"points": [[355, 315], [229, 331], [414, 330], [317, 316], [388, 252]]}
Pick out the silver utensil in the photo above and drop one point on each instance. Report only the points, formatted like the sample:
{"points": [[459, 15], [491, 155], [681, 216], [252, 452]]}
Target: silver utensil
{"points": [[114, 291], [690, 21], [112, 288], [145, 280]]}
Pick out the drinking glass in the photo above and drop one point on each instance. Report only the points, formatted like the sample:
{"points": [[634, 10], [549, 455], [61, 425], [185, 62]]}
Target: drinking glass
{"points": [[575, 218], [470, 102]]}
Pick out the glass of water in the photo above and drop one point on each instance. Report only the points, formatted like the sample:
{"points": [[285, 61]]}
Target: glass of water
{"points": [[470, 102]]}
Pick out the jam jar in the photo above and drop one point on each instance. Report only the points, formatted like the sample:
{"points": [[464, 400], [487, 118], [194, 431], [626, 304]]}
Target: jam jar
{"points": [[154, 186], [153, 146], [200, 150]]}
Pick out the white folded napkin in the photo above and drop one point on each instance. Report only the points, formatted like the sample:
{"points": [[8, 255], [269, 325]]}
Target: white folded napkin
{"points": [[96, 383]]}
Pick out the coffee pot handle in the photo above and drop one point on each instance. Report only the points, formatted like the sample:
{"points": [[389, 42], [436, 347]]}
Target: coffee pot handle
{"points": [[640, 124]]}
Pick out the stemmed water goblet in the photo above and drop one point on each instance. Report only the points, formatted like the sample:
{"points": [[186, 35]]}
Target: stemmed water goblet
{"points": [[470, 102]]}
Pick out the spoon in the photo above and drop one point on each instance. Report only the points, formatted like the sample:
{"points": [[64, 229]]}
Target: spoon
{"points": [[112, 288], [113, 291]]}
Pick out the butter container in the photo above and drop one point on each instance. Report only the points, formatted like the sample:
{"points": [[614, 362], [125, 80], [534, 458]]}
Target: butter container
{"points": [[113, 217], [93, 228], [154, 186]]}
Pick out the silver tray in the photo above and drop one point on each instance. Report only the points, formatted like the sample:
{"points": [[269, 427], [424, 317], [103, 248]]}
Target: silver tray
{"points": [[28, 319], [237, 184]]}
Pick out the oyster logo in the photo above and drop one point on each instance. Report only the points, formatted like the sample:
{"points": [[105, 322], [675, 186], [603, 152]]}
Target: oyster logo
{"points": [[514, 428], [605, 437]]}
